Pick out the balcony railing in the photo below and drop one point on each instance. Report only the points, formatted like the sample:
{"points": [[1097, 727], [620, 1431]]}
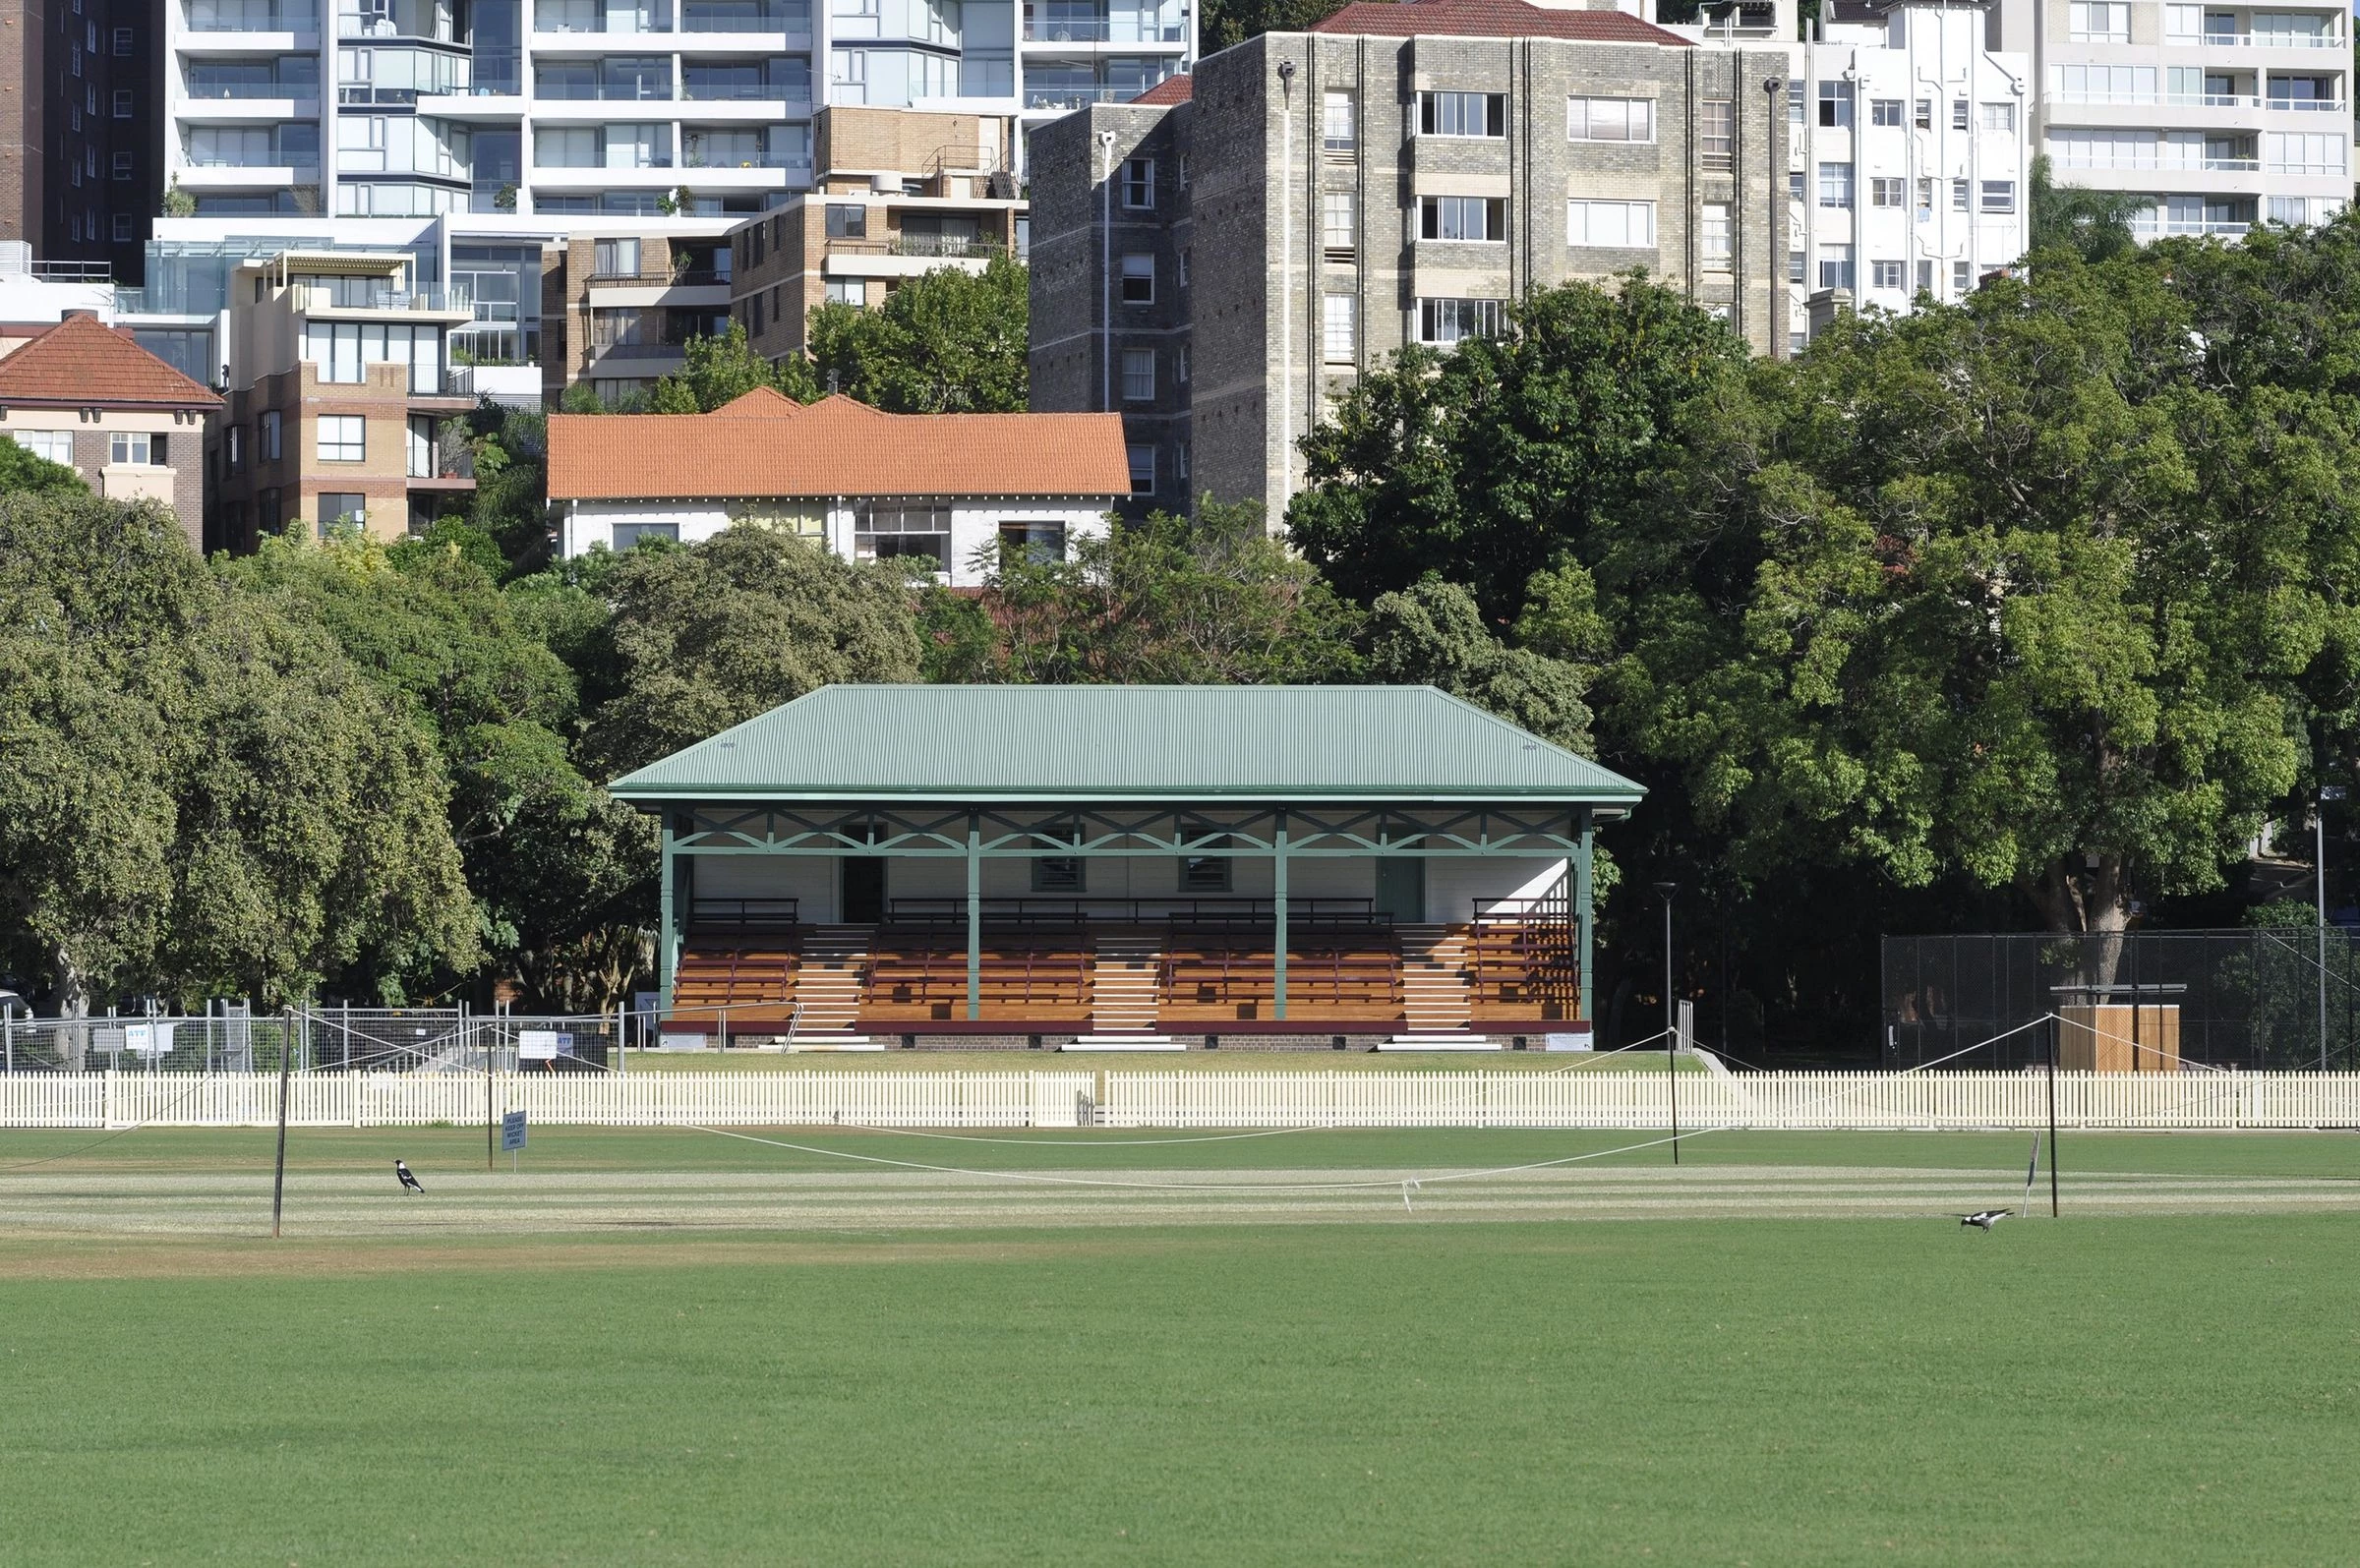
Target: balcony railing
{"points": [[636, 351], [951, 246], [1101, 29], [391, 31], [227, 90], [60, 271], [2256, 40], [429, 298], [1080, 97], [607, 91], [2211, 165], [204, 17], [726, 22], [738, 91]]}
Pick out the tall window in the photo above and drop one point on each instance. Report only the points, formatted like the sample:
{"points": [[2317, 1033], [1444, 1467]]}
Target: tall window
{"points": [[1835, 104], [1958, 196], [1958, 114], [1924, 115], [1142, 457], [616, 259], [1339, 221], [55, 446], [342, 438], [1884, 192], [1717, 132], [1336, 127], [338, 508], [1610, 119], [1483, 114], [1835, 185], [1138, 278], [1340, 329], [1463, 217], [1885, 274], [1139, 375], [1448, 321], [1714, 232], [847, 221], [1139, 184], [1611, 225], [268, 436], [1835, 266]]}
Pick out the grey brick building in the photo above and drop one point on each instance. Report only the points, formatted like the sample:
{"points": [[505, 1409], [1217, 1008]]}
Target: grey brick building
{"points": [[1220, 258]]}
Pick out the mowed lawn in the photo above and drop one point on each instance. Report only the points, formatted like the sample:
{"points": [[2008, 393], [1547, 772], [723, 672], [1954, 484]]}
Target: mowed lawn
{"points": [[2103, 1390]]}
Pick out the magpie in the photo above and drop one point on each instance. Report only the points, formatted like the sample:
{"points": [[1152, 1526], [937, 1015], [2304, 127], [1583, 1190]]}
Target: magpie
{"points": [[411, 1181], [1983, 1219]]}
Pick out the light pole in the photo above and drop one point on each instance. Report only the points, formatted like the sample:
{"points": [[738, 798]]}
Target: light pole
{"points": [[1671, 1019], [2319, 829]]}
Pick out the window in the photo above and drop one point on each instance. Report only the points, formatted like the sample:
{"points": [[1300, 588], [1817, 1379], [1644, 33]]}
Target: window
{"points": [[1717, 132], [1610, 119], [1961, 276], [1186, 250], [847, 222], [123, 234], [1180, 364], [1835, 104], [1463, 217], [265, 510], [1183, 172], [1615, 225], [891, 530], [1885, 274], [2290, 209], [628, 536], [1139, 184], [122, 166], [2297, 152], [1058, 873], [1794, 102], [1448, 321], [1795, 183], [1336, 131], [343, 439], [1999, 117], [1884, 111], [1340, 329], [1958, 196], [1143, 468], [341, 509], [1835, 266], [1925, 277], [123, 43], [1037, 541], [848, 291], [122, 104], [1715, 234], [1482, 114], [1835, 185], [1138, 278], [616, 259], [1925, 201], [1999, 196], [1883, 192], [1958, 114], [1206, 873], [1797, 263], [55, 446], [1139, 375], [233, 448], [267, 437], [1797, 339], [1339, 223], [1924, 117], [2098, 21], [135, 447]]}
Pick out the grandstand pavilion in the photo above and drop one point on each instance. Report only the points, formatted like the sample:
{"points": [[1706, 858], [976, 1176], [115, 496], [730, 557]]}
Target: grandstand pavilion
{"points": [[1159, 866]]}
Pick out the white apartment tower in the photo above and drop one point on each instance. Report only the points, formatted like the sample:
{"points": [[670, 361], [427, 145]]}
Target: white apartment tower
{"points": [[2219, 116], [414, 108]]}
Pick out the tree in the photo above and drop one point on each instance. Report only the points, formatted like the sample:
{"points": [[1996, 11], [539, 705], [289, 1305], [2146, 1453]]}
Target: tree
{"points": [[1486, 464], [1433, 636], [945, 342], [1163, 600], [1228, 21], [201, 796], [2094, 225], [721, 369], [510, 505], [711, 635], [21, 473]]}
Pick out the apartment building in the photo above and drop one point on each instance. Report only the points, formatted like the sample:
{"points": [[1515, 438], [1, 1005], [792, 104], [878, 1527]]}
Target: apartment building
{"points": [[617, 310], [897, 194], [1220, 259], [2219, 116], [84, 394], [81, 170], [339, 390]]}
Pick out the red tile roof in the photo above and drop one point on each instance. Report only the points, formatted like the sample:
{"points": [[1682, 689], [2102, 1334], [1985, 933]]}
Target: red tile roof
{"points": [[1492, 19], [84, 363], [766, 445], [1171, 89]]}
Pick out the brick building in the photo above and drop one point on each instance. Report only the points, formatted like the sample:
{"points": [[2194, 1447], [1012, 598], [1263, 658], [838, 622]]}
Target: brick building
{"points": [[84, 394], [619, 303], [1218, 261], [81, 143]]}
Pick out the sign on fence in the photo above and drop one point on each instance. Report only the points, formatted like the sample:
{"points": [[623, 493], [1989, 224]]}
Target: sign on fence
{"points": [[542, 1045], [511, 1133]]}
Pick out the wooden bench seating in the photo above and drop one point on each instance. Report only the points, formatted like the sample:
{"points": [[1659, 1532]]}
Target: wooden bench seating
{"points": [[718, 976], [1522, 971]]}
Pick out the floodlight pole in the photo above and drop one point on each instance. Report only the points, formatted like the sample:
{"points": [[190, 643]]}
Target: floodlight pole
{"points": [[278, 1178], [1671, 1019]]}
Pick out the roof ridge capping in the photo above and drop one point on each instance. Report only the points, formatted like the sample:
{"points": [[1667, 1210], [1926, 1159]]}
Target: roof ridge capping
{"points": [[1493, 18]]}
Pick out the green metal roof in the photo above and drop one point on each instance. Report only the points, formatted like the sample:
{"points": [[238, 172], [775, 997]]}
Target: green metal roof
{"points": [[1080, 743]]}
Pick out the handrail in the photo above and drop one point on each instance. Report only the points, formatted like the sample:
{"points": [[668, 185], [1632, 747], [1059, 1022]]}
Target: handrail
{"points": [[1178, 910], [745, 914]]}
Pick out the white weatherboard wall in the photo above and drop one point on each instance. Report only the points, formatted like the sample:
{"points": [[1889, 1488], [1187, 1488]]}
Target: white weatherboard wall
{"points": [[975, 524], [1636, 1101]]}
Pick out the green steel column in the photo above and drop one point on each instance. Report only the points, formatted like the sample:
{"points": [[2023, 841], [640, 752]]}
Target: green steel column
{"points": [[1279, 923], [974, 916], [666, 963], [1581, 900]]}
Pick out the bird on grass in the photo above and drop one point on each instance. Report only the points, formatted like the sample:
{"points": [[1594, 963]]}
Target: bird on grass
{"points": [[407, 1180], [1985, 1219]]}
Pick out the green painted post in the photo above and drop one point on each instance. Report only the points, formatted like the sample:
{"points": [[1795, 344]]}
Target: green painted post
{"points": [[1581, 900], [1278, 921], [665, 958], [974, 916]]}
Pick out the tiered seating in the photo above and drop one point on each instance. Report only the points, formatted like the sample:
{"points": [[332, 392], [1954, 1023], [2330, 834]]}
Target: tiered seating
{"points": [[1525, 971], [732, 975], [919, 972], [1349, 975], [1210, 977]]}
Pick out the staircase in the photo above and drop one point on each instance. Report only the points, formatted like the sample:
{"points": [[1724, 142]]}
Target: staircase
{"points": [[829, 980], [1435, 986], [1123, 975]]}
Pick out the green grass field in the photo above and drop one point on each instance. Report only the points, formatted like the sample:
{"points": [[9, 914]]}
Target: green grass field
{"points": [[622, 1353]]}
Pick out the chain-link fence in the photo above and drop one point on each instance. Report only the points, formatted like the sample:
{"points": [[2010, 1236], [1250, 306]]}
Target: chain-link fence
{"points": [[2250, 999], [237, 1039]]}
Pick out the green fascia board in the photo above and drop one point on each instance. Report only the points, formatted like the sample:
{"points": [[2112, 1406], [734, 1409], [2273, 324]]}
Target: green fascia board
{"points": [[1066, 745]]}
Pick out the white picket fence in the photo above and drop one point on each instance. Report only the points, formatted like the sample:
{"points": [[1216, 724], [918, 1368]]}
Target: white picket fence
{"points": [[946, 1098]]}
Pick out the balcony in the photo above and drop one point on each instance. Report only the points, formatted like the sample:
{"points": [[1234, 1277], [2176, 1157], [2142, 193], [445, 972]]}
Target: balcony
{"points": [[1080, 97], [604, 91], [387, 29], [208, 15], [2254, 40], [435, 299], [217, 92]]}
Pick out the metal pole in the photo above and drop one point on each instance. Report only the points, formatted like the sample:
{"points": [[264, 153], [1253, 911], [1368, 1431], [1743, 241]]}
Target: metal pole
{"points": [[1279, 917], [2319, 828], [2054, 1034], [974, 915], [278, 1178], [1671, 1017], [490, 1145]]}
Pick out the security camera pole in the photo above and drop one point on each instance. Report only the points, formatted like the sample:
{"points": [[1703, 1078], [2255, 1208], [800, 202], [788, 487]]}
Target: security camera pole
{"points": [[1671, 1017]]}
